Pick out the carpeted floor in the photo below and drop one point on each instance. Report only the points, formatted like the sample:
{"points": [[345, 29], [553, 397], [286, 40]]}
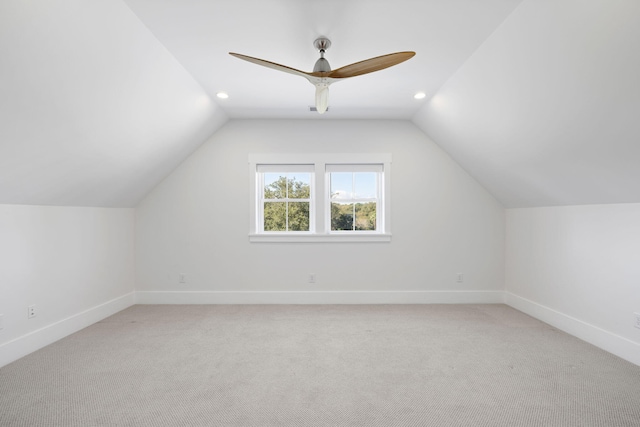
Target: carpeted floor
{"points": [[331, 365]]}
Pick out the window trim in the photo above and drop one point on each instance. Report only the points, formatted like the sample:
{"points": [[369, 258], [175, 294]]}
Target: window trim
{"points": [[321, 202]]}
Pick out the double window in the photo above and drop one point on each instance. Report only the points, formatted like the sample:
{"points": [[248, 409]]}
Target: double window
{"points": [[320, 197]]}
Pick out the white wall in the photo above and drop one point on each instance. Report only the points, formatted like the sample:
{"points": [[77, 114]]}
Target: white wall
{"points": [[196, 222], [74, 264], [578, 268]]}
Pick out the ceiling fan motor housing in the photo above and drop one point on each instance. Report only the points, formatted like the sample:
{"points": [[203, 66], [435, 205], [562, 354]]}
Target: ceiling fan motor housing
{"points": [[322, 65]]}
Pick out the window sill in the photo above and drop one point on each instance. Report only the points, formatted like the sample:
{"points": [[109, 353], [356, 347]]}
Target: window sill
{"points": [[318, 238]]}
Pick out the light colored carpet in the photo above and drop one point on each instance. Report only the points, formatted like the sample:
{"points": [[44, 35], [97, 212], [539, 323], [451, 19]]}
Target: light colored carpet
{"points": [[346, 365]]}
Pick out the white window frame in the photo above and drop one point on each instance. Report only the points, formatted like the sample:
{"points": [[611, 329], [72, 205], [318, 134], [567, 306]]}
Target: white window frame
{"points": [[378, 169], [261, 169], [320, 208]]}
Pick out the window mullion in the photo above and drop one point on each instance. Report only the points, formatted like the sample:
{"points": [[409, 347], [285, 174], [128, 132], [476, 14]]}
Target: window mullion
{"points": [[322, 216], [286, 202], [260, 200], [353, 217], [381, 203], [353, 194]]}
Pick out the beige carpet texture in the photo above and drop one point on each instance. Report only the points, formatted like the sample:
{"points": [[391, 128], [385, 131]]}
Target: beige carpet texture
{"points": [[320, 365]]}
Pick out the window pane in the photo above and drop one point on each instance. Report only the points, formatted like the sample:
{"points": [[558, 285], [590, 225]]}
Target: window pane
{"points": [[341, 216], [341, 185], [299, 185], [275, 186], [365, 216], [275, 216], [299, 216], [365, 185]]}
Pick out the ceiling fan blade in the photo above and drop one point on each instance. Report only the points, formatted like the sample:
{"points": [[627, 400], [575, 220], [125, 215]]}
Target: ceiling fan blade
{"points": [[370, 65], [270, 64]]}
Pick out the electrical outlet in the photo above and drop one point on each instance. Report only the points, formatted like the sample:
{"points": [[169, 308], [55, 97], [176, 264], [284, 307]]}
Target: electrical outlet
{"points": [[312, 278], [460, 277], [637, 320], [31, 312]]}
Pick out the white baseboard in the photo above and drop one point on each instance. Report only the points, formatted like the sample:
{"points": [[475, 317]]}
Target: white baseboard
{"points": [[35, 340], [21, 346], [320, 297], [615, 344]]}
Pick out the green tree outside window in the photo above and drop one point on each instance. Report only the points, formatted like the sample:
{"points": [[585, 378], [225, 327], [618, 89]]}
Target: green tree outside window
{"points": [[286, 204]]}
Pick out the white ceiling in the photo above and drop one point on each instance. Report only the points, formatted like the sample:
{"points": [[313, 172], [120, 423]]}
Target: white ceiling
{"points": [[547, 111], [537, 99], [93, 110], [200, 34]]}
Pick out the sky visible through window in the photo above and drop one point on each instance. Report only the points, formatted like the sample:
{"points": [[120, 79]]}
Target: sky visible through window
{"points": [[344, 185], [353, 185]]}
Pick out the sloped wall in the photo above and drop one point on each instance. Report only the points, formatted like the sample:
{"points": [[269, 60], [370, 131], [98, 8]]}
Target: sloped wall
{"points": [[578, 268], [74, 264], [196, 222]]}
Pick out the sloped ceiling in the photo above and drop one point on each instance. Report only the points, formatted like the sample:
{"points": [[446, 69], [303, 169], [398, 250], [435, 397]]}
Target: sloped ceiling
{"points": [[93, 110], [537, 99], [547, 111]]}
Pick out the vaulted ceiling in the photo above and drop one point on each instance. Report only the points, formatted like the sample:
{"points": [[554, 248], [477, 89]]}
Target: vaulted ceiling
{"points": [[538, 99]]}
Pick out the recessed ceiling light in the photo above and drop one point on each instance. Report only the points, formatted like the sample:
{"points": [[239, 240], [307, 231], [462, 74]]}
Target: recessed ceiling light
{"points": [[222, 95], [420, 95]]}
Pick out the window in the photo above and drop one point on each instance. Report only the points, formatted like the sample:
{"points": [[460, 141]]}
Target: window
{"points": [[319, 197], [285, 198], [354, 196]]}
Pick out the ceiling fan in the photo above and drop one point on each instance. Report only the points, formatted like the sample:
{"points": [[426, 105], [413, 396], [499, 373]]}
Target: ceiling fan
{"points": [[322, 75]]}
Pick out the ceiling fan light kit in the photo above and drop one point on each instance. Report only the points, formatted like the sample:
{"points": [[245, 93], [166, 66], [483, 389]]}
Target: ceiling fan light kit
{"points": [[322, 76]]}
